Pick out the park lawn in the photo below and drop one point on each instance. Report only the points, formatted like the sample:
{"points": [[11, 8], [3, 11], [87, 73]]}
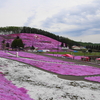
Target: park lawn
{"points": [[79, 53]]}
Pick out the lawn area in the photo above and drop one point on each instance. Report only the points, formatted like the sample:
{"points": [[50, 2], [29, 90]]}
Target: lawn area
{"points": [[79, 53]]}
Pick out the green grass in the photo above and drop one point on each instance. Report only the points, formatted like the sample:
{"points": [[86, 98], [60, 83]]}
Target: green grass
{"points": [[79, 53]]}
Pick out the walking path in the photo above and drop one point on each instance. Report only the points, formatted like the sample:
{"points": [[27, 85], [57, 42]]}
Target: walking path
{"points": [[68, 77], [92, 63]]}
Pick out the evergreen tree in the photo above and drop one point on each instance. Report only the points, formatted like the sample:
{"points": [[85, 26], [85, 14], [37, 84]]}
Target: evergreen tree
{"points": [[62, 44], [17, 43], [7, 44], [3, 44], [65, 44], [3, 41]]}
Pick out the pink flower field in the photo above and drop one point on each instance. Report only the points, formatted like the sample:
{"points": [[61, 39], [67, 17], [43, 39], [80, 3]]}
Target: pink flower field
{"points": [[93, 78], [41, 85], [9, 91], [53, 65], [46, 63], [39, 41]]}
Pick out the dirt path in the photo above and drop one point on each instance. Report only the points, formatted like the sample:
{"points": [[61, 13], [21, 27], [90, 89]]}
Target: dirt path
{"points": [[92, 63], [69, 77]]}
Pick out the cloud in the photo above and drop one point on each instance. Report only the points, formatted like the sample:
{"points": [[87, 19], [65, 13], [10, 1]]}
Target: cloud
{"points": [[30, 20], [77, 21], [74, 18], [94, 38]]}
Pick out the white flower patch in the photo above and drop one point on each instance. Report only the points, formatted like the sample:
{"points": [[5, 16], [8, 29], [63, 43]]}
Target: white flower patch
{"points": [[47, 86]]}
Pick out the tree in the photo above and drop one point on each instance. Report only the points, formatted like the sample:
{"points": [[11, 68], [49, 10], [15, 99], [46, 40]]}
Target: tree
{"points": [[3, 41], [32, 48], [65, 44], [62, 44], [7, 44], [3, 44], [17, 43]]}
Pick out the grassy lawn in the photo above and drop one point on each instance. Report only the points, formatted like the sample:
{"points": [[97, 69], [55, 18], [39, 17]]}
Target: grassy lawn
{"points": [[79, 53]]}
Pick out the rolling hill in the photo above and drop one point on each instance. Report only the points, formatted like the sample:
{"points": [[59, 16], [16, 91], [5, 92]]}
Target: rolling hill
{"points": [[37, 40]]}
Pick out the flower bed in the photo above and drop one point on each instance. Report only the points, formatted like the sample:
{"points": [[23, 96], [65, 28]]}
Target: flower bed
{"points": [[59, 68], [8, 91], [47, 86], [35, 39], [39, 57], [93, 78]]}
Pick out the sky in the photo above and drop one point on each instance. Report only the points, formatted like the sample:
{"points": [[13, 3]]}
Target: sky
{"points": [[78, 20]]}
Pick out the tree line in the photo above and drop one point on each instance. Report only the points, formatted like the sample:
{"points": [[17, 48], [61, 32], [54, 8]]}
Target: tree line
{"points": [[24, 29]]}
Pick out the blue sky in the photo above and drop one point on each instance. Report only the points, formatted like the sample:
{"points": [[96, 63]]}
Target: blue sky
{"points": [[78, 20]]}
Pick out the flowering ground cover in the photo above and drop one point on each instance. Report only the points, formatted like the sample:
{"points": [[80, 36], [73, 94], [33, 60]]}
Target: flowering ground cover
{"points": [[47, 86], [39, 57], [9, 91], [93, 78], [37, 40], [50, 64]]}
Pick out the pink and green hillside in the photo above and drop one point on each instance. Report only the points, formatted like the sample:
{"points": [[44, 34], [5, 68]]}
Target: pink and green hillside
{"points": [[37, 40]]}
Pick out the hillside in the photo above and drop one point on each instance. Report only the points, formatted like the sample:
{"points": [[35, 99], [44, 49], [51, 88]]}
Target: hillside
{"points": [[66, 40], [24, 29], [37, 40]]}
